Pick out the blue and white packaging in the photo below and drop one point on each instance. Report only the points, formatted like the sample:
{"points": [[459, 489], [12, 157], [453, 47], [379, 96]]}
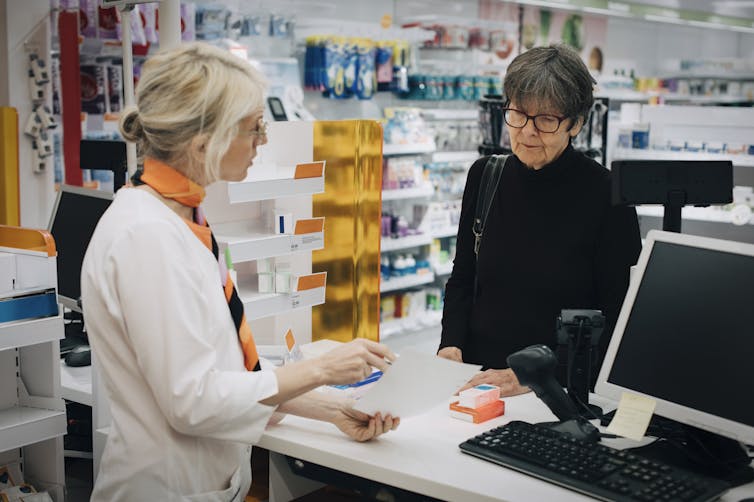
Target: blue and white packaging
{"points": [[283, 222]]}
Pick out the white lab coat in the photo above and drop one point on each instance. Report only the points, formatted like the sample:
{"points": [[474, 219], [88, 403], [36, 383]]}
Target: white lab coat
{"points": [[184, 409]]}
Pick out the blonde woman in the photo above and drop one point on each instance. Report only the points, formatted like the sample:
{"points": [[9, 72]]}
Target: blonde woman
{"points": [[187, 394]]}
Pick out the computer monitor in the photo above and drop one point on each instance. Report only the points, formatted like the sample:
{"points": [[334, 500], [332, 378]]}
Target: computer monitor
{"points": [[74, 217], [685, 334]]}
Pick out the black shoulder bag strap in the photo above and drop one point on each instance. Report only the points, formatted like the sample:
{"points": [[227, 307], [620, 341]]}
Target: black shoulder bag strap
{"points": [[493, 169]]}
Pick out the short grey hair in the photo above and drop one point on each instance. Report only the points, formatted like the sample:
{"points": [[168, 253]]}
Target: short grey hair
{"points": [[553, 76], [191, 90]]}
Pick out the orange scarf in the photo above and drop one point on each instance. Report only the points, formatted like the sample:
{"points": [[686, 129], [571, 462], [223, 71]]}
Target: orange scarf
{"points": [[172, 184]]}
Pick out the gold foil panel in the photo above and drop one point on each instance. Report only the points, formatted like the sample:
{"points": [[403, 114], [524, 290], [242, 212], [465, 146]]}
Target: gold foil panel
{"points": [[351, 205]]}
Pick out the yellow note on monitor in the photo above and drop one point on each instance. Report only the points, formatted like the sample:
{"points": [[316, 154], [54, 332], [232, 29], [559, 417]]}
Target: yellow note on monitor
{"points": [[632, 416]]}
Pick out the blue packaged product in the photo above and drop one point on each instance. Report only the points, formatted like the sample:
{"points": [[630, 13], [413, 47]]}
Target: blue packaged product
{"points": [[350, 61], [449, 87], [640, 136], [366, 79]]}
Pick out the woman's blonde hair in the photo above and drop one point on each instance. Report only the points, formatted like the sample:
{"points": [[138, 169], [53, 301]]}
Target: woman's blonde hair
{"points": [[191, 90]]}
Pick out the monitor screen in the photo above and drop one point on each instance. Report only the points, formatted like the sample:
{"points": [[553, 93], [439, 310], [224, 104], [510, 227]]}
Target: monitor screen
{"points": [[76, 213], [685, 333]]}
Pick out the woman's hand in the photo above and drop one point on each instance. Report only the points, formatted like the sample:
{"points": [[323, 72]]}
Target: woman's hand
{"points": [[353, 361], [505, 379], [362, 427], [452, 353]]}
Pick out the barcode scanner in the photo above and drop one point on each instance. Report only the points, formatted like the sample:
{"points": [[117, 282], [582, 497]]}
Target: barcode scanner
{"points": [[534, 367]]}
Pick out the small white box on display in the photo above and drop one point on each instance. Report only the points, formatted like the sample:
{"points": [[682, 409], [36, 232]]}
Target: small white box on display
{"points": [[39, 70], [282, 282], [283, 277], [283, 222], [266, 266], [36, 91], [33, 125], [265, 283]]}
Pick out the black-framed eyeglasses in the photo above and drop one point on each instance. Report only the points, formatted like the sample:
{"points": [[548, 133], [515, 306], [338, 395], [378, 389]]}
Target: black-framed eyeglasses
{"points": [[543, 123]]}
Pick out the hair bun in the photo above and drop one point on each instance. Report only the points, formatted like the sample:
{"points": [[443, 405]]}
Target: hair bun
{"points": [[131, 127]]}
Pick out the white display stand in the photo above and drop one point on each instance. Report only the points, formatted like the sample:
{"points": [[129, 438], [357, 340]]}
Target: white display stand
{"points": [[32, 412], [242, 217]]}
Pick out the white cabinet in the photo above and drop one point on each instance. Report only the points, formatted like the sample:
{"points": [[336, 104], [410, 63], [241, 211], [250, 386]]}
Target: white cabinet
{"points": [[32, 412]]}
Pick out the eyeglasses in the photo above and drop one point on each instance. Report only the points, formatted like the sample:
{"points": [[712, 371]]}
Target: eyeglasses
{"points": [[261, 131], [543, 123]]}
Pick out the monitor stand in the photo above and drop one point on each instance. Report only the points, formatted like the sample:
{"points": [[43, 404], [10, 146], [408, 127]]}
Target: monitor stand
{"points": [[696, 450]]}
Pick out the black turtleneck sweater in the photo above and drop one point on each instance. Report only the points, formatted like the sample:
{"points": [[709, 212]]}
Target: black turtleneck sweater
{"points": [[552, 241]]}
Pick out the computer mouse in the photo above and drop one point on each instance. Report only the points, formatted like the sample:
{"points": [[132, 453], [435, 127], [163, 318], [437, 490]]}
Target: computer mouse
{"points": [[80, 355]]}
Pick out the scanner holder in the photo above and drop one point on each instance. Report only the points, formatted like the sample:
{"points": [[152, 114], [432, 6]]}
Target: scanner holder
{"points": [[579, 332]]}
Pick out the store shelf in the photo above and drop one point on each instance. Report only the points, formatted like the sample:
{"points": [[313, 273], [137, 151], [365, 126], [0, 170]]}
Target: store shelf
{"points": [[258, 305], [707, 75], [389, 244], [419, 192], [256, 189], [76, 383], [668, 97], [443, 268], [738, 160], [408, 281], [712, 214], [23, 425], [392, 327], [247, 245], [450, 231], [704, 100], [417, 149], [30, 332], [450, 114], [465, 156], [623, 95]]}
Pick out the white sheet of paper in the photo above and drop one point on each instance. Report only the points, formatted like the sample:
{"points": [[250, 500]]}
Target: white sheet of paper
{"points": [[415, 383]]}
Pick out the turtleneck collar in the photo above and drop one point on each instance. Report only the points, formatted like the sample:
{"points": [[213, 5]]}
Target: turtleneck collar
{"points": [[552, 171]]}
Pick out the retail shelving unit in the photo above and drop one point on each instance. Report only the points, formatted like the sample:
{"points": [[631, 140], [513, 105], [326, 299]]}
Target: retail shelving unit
{"points": [[448, 163], [412, 241], [420, 192], [733, 127], [282, 179], [32, 412], [406, 281], [408, 149]]}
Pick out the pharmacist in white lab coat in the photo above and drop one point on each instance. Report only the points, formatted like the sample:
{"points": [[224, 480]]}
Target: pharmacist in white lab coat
{"points": [[179, 362]]}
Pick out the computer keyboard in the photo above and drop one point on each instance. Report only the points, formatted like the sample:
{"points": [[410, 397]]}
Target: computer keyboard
{"points": [[590, 468]]}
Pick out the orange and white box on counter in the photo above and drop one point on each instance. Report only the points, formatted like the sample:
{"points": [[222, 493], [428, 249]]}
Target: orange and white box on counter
{"points": [[478, 396], [480, 414]]}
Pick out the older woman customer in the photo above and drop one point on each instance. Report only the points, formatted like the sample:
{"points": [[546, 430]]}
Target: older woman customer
{"points": [[187, 392], [552, 239]]}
